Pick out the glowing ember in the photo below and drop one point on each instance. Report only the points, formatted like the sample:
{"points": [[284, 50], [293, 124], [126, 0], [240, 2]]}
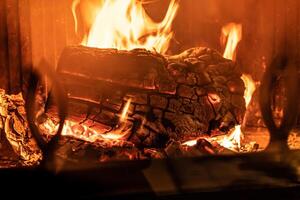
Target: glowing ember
{"points": [[214, 98], [80, 131], [231, 36], [125, 25], [190, 143], [250, 88]]}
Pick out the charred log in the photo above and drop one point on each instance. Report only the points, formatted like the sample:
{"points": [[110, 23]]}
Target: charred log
{"points": [[176, 97]]}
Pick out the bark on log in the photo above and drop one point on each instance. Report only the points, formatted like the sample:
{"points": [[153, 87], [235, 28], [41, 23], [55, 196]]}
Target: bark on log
{"points": [[137, 68], [176, 97]]}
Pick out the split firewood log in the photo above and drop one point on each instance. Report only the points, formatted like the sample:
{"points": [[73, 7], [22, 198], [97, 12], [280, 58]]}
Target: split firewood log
{"points": [[171, 97]]}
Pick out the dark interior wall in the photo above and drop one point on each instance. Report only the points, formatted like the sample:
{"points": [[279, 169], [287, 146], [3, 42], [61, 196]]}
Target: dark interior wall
{"points": [[15, 44], [36, 29], [3, 48]]}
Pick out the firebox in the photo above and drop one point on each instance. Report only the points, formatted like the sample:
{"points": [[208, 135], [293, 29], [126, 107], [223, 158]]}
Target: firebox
{"points": [[153, 99]]}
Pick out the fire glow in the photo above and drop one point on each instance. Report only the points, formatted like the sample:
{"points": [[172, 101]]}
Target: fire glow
{"points": [[125, 25], [130, 27], [88, 134], [233, 33], [231, 36]]}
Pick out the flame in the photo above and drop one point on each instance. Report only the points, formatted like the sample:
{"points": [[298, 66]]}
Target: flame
{"points": [[250, 88], [88, 134], [232, 33], [125, 25], [73, 8], [190, 143], [234, 139], [125, 111]]}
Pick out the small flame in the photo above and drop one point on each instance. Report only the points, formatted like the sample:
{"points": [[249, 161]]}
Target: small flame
{"points": [[234, 139], [83, 132], [125, 25], [125, 111], [73, 8], [88, 134], [190, 143], [250, 88], [232, 33], [214, 98]]}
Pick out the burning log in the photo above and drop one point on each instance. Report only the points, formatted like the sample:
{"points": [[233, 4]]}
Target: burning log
{"points": [[14, 130], [176, 97], [137, 68], [74, 150]]}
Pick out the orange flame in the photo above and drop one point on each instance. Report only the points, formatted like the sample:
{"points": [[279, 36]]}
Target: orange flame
{"points": [[119, 133], [125, 25], [232, 33], [125, 111], [190, 143], [88, 134], [250, 88], [233, 141]]}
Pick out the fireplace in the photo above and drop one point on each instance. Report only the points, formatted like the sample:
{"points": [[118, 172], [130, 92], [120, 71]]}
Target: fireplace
{"points": [[155, 98]]}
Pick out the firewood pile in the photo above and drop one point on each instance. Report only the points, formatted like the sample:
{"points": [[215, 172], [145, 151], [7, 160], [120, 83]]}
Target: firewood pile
{"points": [[170, 100]]}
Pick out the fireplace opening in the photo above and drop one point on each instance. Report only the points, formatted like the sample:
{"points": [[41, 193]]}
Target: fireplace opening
{"points": [[105, 81]]}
